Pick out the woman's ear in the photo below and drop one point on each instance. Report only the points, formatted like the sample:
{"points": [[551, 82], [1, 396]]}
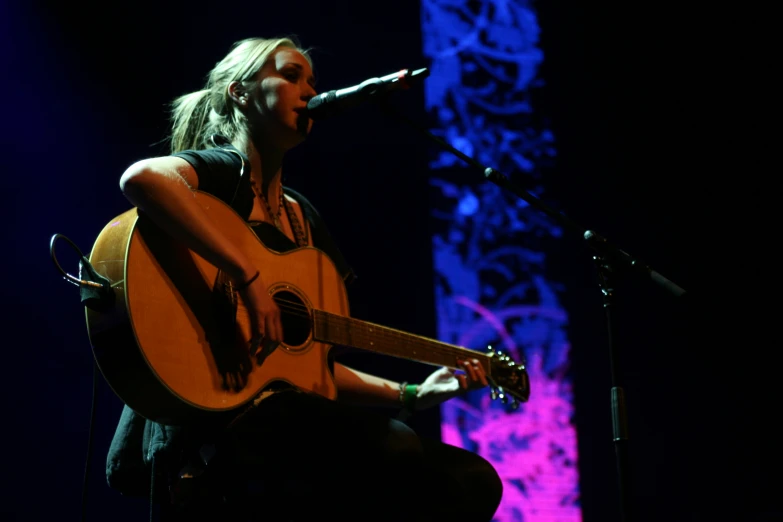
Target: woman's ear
{"points": [[237, 93]]}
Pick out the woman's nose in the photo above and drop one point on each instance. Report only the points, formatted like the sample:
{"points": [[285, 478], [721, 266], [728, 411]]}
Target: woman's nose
{"points": [[308, 92]]}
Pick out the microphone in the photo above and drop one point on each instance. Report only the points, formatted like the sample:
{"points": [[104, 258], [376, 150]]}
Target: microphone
{"points": [[328, 104]]}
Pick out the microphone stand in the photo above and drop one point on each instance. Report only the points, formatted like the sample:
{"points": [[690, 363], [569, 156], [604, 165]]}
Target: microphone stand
{"points": [[609, 260]]}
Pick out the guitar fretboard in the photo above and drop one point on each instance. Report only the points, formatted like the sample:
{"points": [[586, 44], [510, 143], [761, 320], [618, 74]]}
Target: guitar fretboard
{"points": [[346, 331]]}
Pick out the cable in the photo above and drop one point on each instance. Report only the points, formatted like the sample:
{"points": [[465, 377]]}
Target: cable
{"points": [[68, 277], [89, 440], [97, 294], [96, 290]]}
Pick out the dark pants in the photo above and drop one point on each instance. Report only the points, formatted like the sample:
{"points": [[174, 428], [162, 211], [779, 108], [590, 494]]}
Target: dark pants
{"points": [[315, 459]]}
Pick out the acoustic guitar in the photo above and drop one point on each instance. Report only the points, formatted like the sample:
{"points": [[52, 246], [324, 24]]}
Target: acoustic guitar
{"points": [[174, 344]]}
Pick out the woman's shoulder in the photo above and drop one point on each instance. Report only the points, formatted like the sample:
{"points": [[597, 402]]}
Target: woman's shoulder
{"points": [[298, 198], [219, 156]]}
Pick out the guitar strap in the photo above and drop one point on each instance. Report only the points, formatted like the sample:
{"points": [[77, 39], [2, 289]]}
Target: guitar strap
{"points": [[322, 239]]}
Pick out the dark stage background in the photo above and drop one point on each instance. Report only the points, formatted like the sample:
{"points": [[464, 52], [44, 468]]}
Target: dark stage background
{"points": [[642, 103]]}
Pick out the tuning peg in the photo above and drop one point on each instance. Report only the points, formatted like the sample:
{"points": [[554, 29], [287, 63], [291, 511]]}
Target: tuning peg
{"points": [[514, 404], [490, 348], [493, 393], [502, 395]]}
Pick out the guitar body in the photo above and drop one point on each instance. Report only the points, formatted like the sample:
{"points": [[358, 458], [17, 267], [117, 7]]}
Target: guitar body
{"points": [[174, 346]]}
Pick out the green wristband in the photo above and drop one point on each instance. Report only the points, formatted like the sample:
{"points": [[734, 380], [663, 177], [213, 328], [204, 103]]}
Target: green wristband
{"points": [[409, 397]]}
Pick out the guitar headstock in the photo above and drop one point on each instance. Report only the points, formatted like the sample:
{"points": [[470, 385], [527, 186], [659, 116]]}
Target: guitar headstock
{"points": [[509, 380]]}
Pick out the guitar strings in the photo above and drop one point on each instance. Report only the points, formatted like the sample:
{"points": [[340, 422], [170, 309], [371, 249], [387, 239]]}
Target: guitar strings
{"points": [[390, 341], [382, 333], [299, 310]]}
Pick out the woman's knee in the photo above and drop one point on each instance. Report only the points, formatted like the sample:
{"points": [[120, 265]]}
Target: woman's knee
{"points": [[483, 482], [493, 481], [401, 442]]}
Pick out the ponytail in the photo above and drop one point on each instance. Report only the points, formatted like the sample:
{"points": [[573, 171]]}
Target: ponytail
{"points": [[189, 115]]}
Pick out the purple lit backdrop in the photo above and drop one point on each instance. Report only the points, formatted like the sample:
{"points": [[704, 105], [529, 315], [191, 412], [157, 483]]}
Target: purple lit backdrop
{"points": [[489, 289]]}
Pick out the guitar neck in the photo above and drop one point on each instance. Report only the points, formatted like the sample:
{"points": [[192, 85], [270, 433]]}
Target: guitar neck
{"points": [[346, 331]]}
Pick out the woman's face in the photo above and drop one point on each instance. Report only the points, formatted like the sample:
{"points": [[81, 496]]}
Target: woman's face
{"points": [[279, 100]]}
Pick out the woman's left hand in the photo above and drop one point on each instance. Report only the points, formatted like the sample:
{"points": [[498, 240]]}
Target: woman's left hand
{"points": [[445, 383]]}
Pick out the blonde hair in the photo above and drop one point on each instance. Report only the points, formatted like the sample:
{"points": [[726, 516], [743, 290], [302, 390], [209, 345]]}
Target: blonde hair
{"points": [[198, 115]]}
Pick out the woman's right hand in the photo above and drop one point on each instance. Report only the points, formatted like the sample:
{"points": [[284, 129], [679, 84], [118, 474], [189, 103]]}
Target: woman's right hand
{"points": [[163, 189], [266, 327]]}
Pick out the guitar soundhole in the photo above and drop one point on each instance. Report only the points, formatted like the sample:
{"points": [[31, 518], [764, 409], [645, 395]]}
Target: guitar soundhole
{"points": [[295, 318]]}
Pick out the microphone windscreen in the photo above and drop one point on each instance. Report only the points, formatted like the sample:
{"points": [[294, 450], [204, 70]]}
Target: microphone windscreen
{"points": [[318, 101]]}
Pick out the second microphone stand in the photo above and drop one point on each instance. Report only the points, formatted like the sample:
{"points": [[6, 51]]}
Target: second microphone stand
{"points": [[609, 261]]}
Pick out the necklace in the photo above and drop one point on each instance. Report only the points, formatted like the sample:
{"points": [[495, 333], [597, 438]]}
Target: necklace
{"points": [[300, 232], [275, 216]]}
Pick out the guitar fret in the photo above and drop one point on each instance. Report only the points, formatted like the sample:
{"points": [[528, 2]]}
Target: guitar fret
{"points": [[336, 329]]}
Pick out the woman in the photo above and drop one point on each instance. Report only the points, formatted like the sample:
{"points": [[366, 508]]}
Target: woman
{"points": [[334, 457]]}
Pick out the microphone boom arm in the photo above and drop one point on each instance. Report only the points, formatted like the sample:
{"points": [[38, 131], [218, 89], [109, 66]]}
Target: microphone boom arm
{"points": [[603, 248]]}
